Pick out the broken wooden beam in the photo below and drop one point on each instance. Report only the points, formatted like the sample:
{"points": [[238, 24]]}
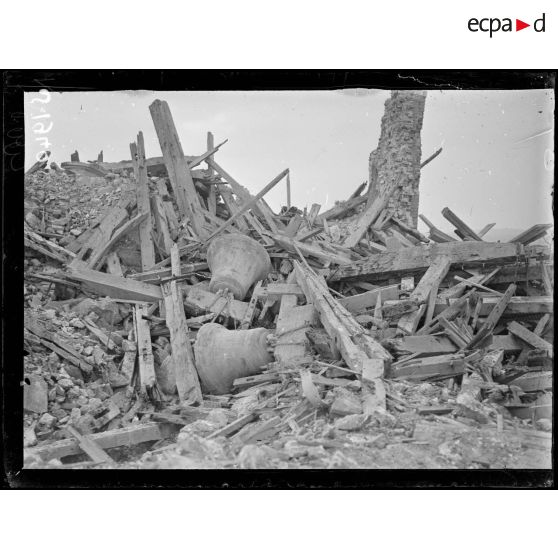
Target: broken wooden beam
{"points": [[531, 234], [178, 171], [113, 286], [430, 281], [96, 260], [355, 346], [145, 352], [361, 302], [182, 356], [435, 233], [341, 209], [530, 337], [490, 323], [401, 262], [199, 301], [461, 226], [158, 276], [432, 368], [146, 226], [367, 217], [90, 447], [127, 436]]}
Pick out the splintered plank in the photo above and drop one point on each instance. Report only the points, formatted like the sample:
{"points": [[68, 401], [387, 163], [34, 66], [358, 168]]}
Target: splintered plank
{"points": [[539, 329], [212, 197], [424, 345], [179, 173], [354, 345], [410, 230], [172, 218], [429, 368], [161, 222], [128, 436], [200, 302], [518, 305], [530, 337], [292, 324], [250, 311], [367, 217], [295, 321], [361, 302], [102, 232], [145, 352], [429, 282], [90, 447], [182, 357], [418, 258], [294, 225], [54, 342], [494, 316], [531, 234], [461, 226], [113, 286], [96, 261], [435, 233], [146, 226], [457, 290]]}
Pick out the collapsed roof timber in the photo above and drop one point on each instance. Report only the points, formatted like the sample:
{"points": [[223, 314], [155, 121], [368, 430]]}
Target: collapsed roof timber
{"points": [[191, 326]]}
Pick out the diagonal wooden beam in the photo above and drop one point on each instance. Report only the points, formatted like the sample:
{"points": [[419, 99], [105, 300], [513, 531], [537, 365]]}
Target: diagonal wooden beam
{"points": [[460, 225], [179, 173]]}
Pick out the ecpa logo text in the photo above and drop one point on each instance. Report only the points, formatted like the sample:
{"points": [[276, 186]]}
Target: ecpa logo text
{"points": [[494, 24]]}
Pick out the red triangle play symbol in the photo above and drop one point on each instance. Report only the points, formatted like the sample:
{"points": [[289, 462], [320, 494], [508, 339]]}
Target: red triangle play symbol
{"points": [[519, 25]]}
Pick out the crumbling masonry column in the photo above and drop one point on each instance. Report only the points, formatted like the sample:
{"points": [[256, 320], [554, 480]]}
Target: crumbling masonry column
{"points": [[398, 155]]}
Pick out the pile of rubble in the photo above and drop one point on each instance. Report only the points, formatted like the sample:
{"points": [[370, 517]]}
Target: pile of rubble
{"points": [[173, 320]]}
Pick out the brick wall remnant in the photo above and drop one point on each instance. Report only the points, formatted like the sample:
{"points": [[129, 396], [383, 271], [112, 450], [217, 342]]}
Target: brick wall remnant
{"points": [[398, 155]]}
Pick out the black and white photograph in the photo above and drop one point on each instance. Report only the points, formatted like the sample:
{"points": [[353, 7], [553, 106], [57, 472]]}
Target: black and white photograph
{"points": [[343, 278]]}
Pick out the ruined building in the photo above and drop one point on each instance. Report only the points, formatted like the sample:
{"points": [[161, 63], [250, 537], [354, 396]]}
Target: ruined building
{"points": [[398, 155]]}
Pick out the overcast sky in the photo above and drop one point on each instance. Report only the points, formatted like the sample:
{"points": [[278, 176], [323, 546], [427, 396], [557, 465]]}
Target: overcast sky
{"points": [[488, 171]]}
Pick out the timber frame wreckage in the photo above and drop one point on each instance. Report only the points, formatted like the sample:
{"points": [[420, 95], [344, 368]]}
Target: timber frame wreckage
{"points": [[174, 320]]}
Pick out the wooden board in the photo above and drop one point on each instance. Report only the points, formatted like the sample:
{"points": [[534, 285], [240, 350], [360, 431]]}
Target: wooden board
{"points": [[530, 337], [434, 367], [293, 345], [199, 301], [182, 356], [461, 226], [425, 344], [179, 173], [407, 260], [354, 345], [145, 352], [364, 301], [112, 286], [144, 207], [90, 447], [408, 323], [519, 305], [127, 436]]}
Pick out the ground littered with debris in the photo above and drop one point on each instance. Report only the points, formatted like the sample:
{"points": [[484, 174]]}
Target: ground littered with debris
{"points": [[379, 349]]}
